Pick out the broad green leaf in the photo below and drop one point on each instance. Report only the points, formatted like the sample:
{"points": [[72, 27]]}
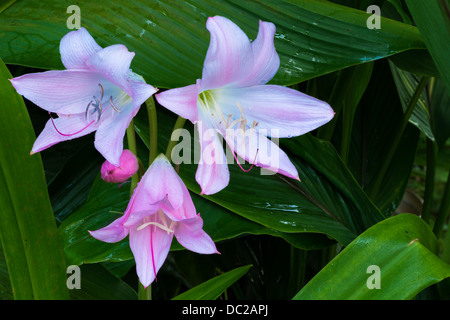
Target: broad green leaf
{"points": [[376, 122], [433, 21], [170, 38], [406, 84], [440, 112], [213, 288], [28, 229], [97, 283], [70, 188], [5, 284], [402, 247], [104, 204]]}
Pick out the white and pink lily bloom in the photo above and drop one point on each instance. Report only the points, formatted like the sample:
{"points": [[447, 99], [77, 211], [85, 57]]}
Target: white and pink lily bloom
{"points": [[97, 92], [232, 101], [159, 208]]}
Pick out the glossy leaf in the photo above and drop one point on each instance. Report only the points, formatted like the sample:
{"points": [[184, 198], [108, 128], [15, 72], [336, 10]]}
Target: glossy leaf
{"points": [[376, 122], [28, 229], [436, 35], [156, 30], [213, 288], [406, 84], [402, 247], [97, 283]]}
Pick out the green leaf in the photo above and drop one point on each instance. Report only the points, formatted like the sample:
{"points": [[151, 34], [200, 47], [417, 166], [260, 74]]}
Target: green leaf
{"points": [[402, 247], [160, 32], [213, 288], [432, 19], [28, 229], [406, 84], [440, 112], [376, 122], [97, 283], [103, 205]]}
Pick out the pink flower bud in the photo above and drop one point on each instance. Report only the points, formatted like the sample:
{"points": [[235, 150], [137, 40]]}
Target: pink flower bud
{"points": [[128, 167]]}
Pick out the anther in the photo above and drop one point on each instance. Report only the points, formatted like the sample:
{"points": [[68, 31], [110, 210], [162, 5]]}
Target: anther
{"points": [[113, 106]]}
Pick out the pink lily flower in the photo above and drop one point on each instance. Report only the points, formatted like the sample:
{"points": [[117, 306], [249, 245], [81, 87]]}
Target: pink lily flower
{"points": [[97, 92], [233, 101], [159, 208]]}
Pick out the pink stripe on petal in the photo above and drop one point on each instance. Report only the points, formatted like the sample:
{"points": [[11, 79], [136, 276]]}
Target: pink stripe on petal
{"points": [[257, 149], [65, 124], [150, 246]]}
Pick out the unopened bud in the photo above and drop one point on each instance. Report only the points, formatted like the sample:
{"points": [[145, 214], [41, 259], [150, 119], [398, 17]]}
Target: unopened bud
{"points": [[127, 168]]}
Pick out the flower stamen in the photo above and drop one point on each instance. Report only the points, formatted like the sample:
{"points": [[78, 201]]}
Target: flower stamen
{"points": [[159, 225], [98, 106]]}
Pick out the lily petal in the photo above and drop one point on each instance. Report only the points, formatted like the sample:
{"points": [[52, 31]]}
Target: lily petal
{"points": [[113, 232], [111, 131], [169, 187], [76, 48], [229, 57], [114, 63], [140, 91], [182, 101], [257, 149], [190, 235], [69, 127], [265, 58], [62, 91], [150, 247], [212, 172], [282, 111]]}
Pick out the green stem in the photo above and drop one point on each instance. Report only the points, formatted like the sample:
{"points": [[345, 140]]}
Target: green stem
{"points": [[131, 138], [429, 180], [346, 133], [174, 137], [153, 125], [444, 210], [144, 293], [399, 133]]}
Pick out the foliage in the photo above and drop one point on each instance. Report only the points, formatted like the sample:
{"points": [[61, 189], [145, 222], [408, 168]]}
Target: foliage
{"points": [[363, 175]]}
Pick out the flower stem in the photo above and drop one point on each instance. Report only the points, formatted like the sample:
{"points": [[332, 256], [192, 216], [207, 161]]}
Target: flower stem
{"points": [[131, 138], [144, 293], [153, 125], [429, 180], [174, 137], [297, 269], [444, 210], [396, 139]]}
